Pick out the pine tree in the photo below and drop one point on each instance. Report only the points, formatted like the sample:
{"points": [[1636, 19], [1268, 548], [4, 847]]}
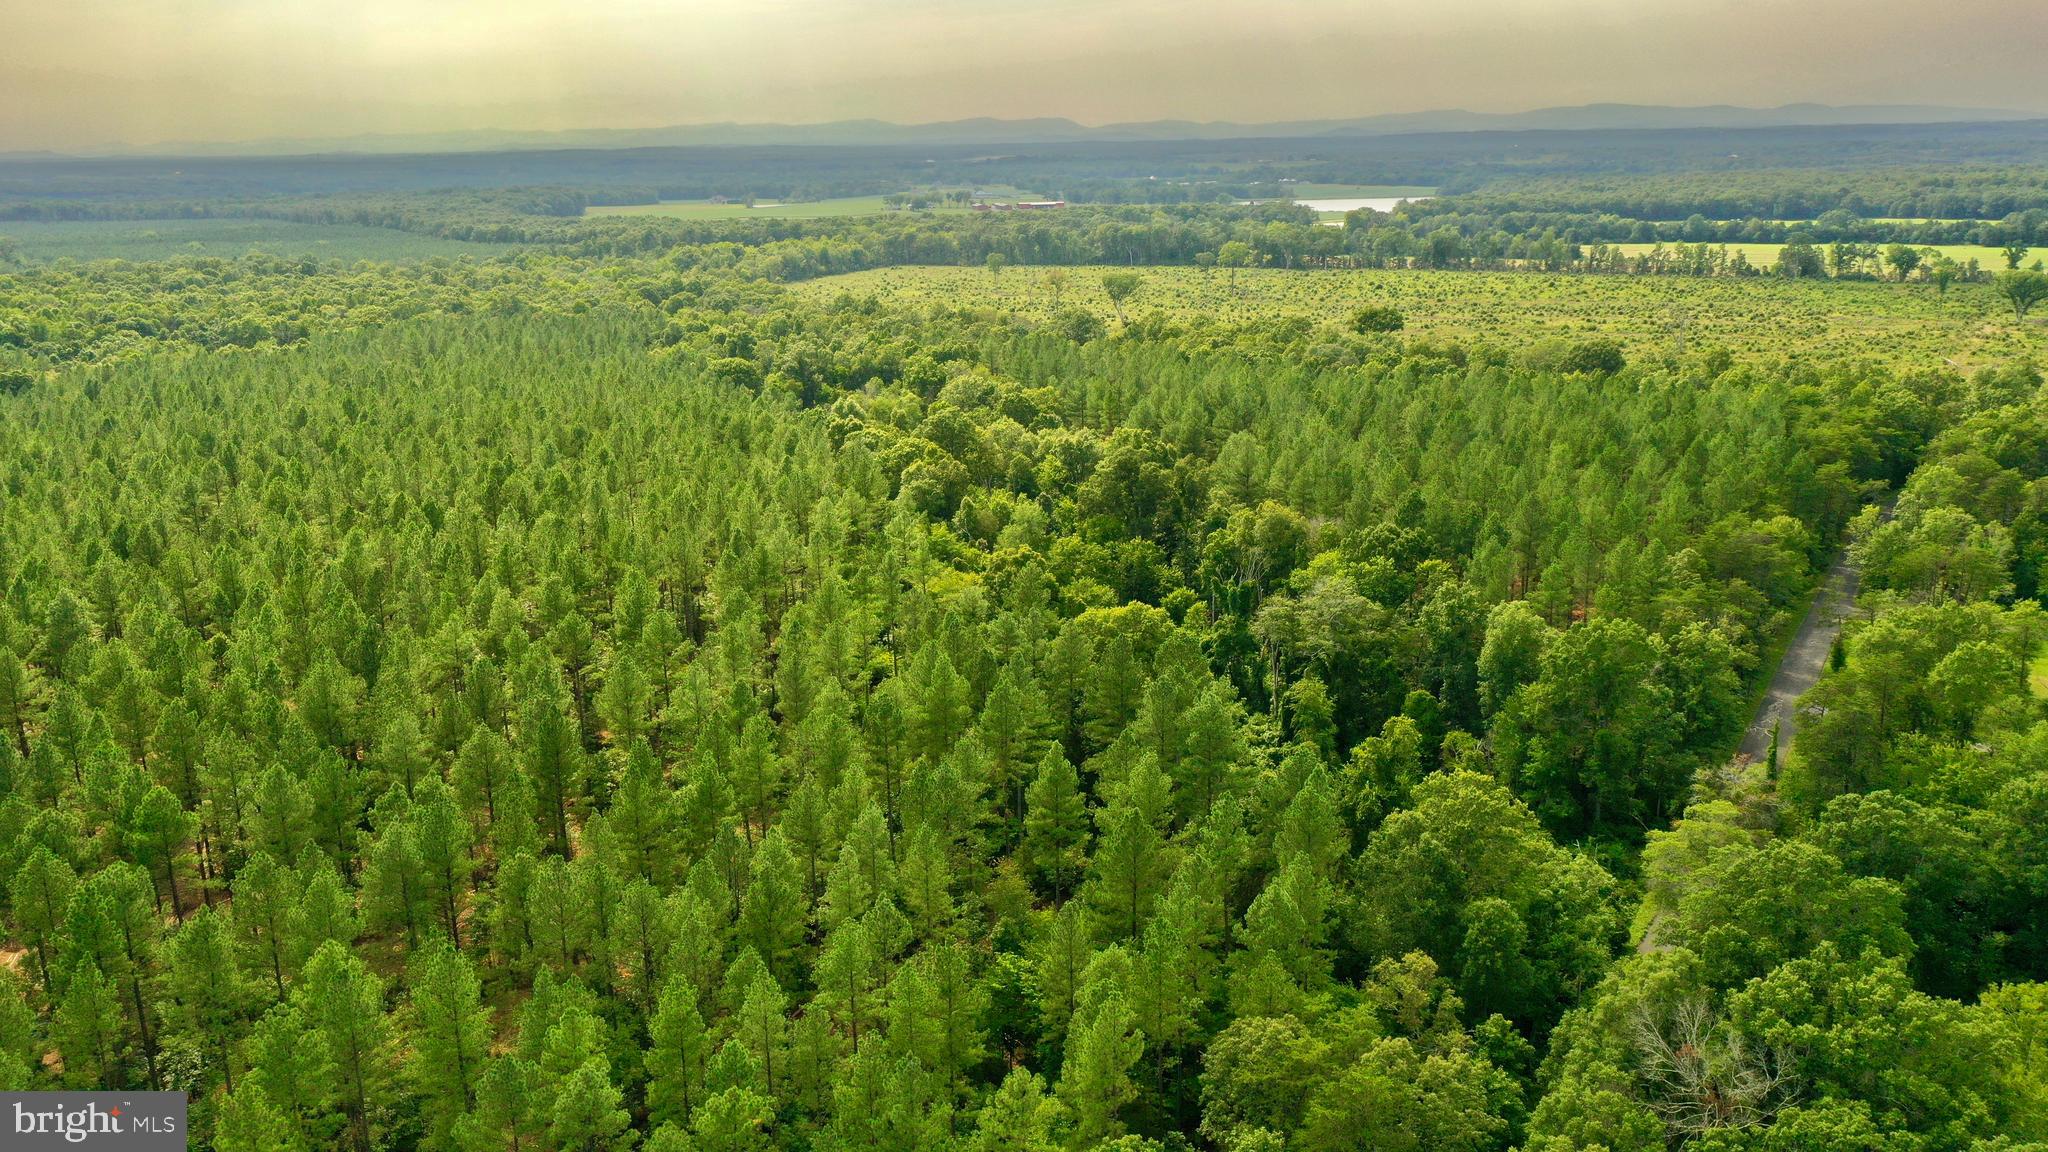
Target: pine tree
{"points": [[553, 915], [1130, 869], [1114, 687], [1056, 823], [207, 986], [511, 931], [760, 1024], [589, 1113], [1015, 730], [807, 822], [551, 756], [940, 703], [1095, 1076], [342, 1005], [879, 1102], [326, 911], [1066, 669], [645, 929], [400, 755], [18, 691], [596, 904], [66, 625], [112, 926], [328, 699], [20, 1049], [623, 702], [733, 1120], [886, 727], [1165, 996], [125, 699], [826, 741], [395, 891], [480, 775], [756, 777], [265, 893], [858, 879], [245, 1121], [1208, 763], [441, 842], [292, 1072], [449, 1033], [503, 1119], [335, 790], [911, 1017], [678, 1045], [1287, 923], [38, 896], [89, 1029], [1311, 827], [925, 880], [1061, 958], [640, 827], [773, 913], [845, 975], [278, 818], [957, 1004], [1019, 1117], [177, 748]]}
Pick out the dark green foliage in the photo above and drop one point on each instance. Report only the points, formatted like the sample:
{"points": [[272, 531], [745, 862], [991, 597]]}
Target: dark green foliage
{"points": [[1597, 357], [1377, 318]]}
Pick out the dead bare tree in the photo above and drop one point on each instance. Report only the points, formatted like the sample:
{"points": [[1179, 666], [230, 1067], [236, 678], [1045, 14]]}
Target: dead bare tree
{"points": [[1698, 1075]]}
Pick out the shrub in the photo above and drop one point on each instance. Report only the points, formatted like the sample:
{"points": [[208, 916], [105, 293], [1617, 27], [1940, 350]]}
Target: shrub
{"points": [[1593, 357], [1377, 318]]}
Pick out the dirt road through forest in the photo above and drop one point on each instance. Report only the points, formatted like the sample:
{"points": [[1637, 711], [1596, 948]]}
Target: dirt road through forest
{"points": [[1798, 671], [1805, 658]]}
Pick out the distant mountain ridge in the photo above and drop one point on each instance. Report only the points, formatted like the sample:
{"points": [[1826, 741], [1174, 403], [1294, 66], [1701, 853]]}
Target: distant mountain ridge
{"points": [[1049, 130]]}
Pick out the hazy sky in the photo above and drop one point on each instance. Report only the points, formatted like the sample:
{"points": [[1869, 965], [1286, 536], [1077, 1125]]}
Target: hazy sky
{"points": [[80, 73]]}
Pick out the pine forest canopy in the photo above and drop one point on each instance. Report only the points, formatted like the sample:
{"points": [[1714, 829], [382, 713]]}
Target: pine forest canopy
{"points": [[1070, 687]]}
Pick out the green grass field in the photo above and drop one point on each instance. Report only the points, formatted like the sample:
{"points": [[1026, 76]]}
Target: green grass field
{"points": [[1753, 318], [1764, 255], [800, 210], [37, 242]]}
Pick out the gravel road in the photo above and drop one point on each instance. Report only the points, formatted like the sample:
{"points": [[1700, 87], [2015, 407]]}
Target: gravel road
{"points": [[1805, 659]]}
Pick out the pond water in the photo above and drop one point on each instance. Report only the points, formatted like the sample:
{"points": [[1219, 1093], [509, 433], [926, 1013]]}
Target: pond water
{"points": [[1353, 203]]}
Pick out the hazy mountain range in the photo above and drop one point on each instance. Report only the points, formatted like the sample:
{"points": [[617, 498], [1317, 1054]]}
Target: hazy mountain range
{"points": [[983, 130]]}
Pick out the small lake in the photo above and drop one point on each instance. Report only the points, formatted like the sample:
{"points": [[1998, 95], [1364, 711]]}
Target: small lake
{"points": [[1354, 203], [1340, 204]]}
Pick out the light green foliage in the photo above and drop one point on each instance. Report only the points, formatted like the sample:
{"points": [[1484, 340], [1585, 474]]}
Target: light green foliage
{"points": [[1810, 315]]}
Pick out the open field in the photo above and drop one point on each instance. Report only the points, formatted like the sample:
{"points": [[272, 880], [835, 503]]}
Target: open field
{"points": [[42, 241], [1764, 255], [1758, 317]]}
